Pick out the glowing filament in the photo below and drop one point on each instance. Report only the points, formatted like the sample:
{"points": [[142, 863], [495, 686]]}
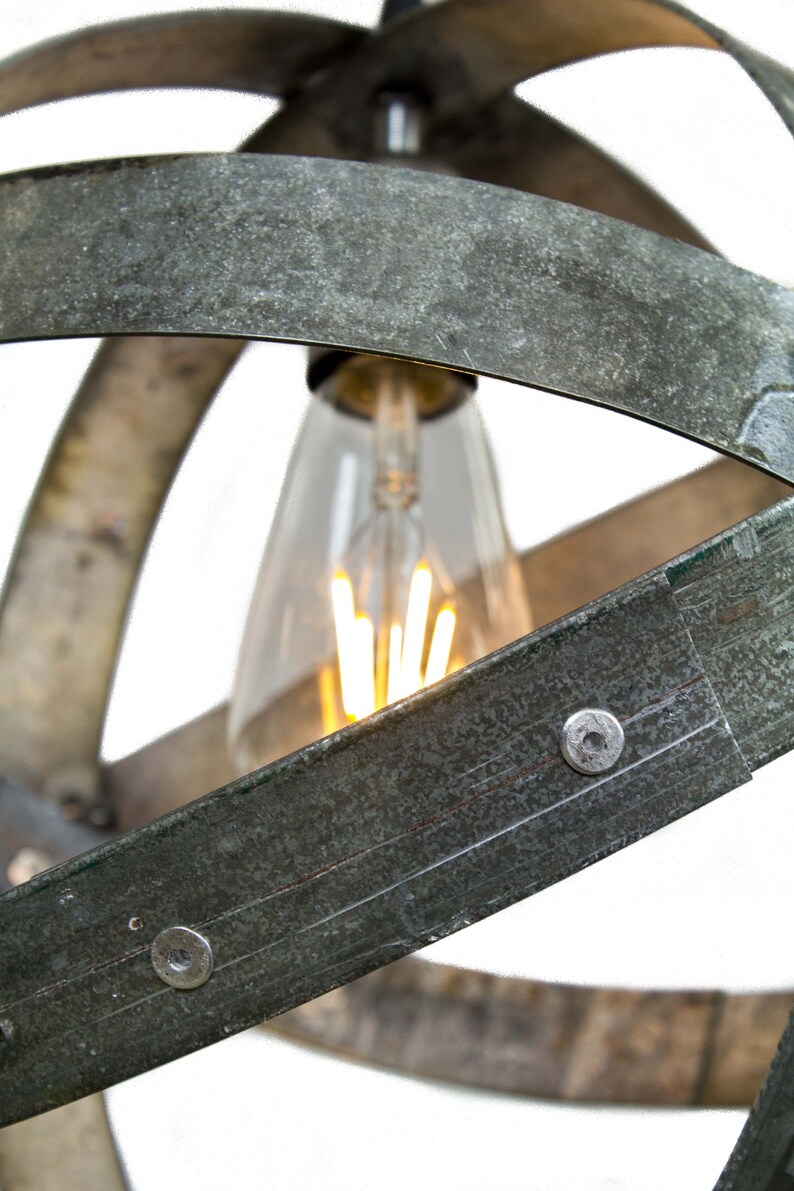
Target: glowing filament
{"points": [[355, 637], [415, 629], [440, 646], [364, 667], [328, 700], [345, 621], [395, 655]]}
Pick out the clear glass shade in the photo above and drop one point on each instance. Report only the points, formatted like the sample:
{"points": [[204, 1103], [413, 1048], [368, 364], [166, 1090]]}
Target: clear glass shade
{"points": [[388, 564]]}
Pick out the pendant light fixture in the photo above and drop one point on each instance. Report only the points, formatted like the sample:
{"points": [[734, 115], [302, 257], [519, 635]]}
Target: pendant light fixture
{"points": [[388, 568]]}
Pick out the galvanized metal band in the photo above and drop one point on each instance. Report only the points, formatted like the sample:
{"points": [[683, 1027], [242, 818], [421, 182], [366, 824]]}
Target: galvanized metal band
{"points": [[394, 832], [743, 632], [763, 1159], [503, 1034], [517, 287]]}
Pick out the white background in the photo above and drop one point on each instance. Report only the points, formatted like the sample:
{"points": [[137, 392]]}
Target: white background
{"points": [[699, 904]]}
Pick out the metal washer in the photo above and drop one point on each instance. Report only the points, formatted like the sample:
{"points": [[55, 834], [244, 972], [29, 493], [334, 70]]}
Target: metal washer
{"points": [[592, 740], [182, 957]]}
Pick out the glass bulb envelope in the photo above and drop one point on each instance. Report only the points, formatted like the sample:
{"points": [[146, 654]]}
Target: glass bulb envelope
{"points": [[388, 565]]}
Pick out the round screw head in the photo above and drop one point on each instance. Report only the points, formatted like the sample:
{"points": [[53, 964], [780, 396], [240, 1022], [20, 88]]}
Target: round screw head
{"points": [[591, 740], [182, 957]]}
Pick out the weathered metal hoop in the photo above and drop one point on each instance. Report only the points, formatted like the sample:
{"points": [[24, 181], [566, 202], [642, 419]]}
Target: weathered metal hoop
{"points": [[767, 419], [257, 247]]}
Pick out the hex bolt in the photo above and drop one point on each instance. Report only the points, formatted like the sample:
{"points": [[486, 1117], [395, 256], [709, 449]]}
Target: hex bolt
{"points": [[182, 957], [592, 740]]}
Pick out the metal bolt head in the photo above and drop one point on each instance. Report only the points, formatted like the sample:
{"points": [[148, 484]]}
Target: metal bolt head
{"points": [[182, 957], [592, 740]]}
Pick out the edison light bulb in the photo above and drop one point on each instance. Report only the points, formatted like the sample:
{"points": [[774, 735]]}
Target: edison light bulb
{"points": [[388, 565]]}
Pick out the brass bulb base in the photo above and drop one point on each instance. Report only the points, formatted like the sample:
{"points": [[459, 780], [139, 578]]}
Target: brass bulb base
{"points": [[350, 381]]}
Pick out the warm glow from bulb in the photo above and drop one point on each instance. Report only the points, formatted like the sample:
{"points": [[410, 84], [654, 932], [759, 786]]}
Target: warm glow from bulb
{"points": [[395, 656], [328, 700], [375, 585], [364, 667], [345, 621], [415, 629], [355, 637], [440, 646]]}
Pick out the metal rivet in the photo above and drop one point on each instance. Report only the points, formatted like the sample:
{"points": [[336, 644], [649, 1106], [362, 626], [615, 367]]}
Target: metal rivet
{"points": [[182, 957], [591, 740]]}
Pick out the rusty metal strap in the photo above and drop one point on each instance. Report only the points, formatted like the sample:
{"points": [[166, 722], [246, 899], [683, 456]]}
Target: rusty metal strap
{"points": [[268, 53], [473, 51], [367, 845]]}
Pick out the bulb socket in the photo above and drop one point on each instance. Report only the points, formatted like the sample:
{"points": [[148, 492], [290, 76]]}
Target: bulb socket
{"points": [[348, 381]]}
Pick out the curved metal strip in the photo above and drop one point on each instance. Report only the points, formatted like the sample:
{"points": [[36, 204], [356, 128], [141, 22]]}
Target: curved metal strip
{"points": [[77, 560], [516, 286], [466, 53], [394, 832], [270, 53], [558, 1041], [513, 144]]}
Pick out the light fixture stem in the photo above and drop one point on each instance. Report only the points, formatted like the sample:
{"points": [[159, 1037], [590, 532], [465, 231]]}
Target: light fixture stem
{"points": [[399, 126]]}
